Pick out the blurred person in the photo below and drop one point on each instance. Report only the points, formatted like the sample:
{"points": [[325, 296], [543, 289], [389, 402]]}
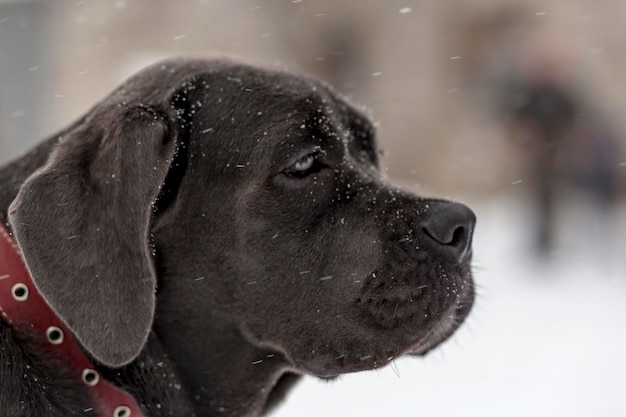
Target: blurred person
{"points": [[567, 144], [544, 112]]}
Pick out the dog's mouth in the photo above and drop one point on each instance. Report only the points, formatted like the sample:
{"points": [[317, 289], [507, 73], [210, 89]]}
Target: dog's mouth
{"points": [[414, 336], [429, 298]]}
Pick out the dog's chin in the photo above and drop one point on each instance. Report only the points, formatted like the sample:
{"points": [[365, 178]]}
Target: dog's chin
{"points": [[330, 373], [438, 335], [321, 373]]}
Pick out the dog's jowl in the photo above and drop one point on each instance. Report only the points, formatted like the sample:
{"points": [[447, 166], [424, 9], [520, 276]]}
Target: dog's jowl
{"points": [[207, 234]]}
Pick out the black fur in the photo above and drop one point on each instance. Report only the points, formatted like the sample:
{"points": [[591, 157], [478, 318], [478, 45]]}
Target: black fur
{"points": [[33, 383], [175, 232]]}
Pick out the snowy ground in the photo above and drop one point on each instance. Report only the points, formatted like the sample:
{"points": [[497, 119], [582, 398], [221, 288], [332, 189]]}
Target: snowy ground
{"points": [[545, 339]]}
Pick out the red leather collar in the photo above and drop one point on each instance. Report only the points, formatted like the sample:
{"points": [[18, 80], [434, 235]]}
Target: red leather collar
{"points": [[21, 304]]}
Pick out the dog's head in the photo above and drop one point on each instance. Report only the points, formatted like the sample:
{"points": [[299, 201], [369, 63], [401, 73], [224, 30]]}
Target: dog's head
{"points": [[247, 200]]}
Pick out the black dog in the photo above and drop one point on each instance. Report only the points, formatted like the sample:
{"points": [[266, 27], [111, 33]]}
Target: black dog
{"points": [[211, 231]]}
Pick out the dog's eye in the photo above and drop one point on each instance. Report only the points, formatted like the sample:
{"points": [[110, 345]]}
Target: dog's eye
{"points": [[305, 166]]}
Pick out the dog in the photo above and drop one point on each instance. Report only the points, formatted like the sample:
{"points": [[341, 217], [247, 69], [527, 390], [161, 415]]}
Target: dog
{"points": [[212, 231]]}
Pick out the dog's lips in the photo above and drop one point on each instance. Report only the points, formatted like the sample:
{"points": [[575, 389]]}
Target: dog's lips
{"points": [[428, 331], [399, 300], [446, 327], [435, 337]]}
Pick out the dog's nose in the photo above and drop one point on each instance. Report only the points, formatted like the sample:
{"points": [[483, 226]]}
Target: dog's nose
{"points": [[449, 228]]}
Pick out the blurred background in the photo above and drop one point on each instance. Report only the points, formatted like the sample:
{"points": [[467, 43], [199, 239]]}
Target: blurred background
{"points": [[516, 107]]}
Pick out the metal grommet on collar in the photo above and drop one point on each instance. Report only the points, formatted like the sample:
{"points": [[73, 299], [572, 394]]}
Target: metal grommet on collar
{"points": [[19, 292], [121, 411], [90, 377], [54, 335]]}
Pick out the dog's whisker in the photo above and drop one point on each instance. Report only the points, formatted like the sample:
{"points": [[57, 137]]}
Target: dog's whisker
{"points": [[395, 311], [394, 368], [326, 278], [199, 279], [380, 308]]}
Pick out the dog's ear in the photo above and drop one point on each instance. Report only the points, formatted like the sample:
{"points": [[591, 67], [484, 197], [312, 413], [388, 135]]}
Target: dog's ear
{"points": [[82, 222]]}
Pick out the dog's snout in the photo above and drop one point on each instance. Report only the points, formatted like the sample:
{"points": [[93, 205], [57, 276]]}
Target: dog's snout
{"points": [[449, 228]]}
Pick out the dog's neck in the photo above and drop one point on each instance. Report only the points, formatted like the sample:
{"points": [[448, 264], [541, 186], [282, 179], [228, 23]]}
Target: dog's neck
{"points": [[255, 379], [167, 385]]}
